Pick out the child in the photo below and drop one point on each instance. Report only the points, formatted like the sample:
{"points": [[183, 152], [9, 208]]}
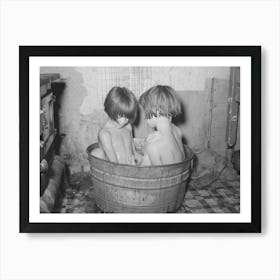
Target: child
{"points": [[115, 138], [164, 145]]}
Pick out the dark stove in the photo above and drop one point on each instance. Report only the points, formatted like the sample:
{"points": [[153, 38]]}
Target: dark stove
{"points": [[51, 88]]}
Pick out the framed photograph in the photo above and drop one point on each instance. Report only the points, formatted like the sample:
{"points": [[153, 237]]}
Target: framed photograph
{"points": [[140, 139]]}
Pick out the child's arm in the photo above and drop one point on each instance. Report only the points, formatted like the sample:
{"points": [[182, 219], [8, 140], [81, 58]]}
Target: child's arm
{"points": [[105, 140], [179, 136]]}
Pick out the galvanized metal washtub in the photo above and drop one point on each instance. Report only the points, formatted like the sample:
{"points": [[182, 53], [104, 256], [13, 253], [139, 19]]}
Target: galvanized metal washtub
{"points": [[122, 188]]}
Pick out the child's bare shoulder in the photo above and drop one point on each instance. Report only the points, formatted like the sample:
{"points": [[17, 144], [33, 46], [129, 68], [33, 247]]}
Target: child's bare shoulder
{"points": [[104, 133]]}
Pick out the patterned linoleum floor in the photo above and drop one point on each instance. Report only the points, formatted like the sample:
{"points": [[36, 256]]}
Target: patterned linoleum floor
{"points": [[218, 196]]}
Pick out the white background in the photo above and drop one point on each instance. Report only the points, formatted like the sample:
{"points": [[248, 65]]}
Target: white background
{"points": [[139, 256]]}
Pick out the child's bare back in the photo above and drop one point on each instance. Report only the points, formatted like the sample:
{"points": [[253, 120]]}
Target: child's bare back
{"points": [[164, 148], [164, 145], [117, 143]]}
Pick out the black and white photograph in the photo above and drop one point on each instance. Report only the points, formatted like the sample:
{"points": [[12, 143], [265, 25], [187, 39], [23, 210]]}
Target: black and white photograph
{"points": [[142, 134], [140, 139]]}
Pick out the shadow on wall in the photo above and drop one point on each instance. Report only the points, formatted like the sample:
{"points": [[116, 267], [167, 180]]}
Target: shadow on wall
{"points": [[71, 126]]}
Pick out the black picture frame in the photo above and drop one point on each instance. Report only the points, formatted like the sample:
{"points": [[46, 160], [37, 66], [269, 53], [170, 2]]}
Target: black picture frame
{"points": [[254, 52]]}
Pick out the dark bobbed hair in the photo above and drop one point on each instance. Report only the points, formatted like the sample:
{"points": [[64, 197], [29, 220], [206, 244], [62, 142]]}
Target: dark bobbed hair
{"points": [[162, 100], [121, 102]]}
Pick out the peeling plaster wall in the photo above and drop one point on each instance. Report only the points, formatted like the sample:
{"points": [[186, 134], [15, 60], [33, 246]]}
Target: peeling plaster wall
{"points": [[82, 114]]}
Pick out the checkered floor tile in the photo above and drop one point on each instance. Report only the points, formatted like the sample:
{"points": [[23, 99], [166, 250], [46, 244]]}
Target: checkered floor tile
{"points": [[215, 197]]}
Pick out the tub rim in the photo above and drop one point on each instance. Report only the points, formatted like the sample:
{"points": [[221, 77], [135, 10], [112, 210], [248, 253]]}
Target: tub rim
{"points": [[187, 160]]}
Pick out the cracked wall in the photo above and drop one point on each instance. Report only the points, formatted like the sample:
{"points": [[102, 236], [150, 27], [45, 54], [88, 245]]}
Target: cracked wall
{"points": [[81, 114]]}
